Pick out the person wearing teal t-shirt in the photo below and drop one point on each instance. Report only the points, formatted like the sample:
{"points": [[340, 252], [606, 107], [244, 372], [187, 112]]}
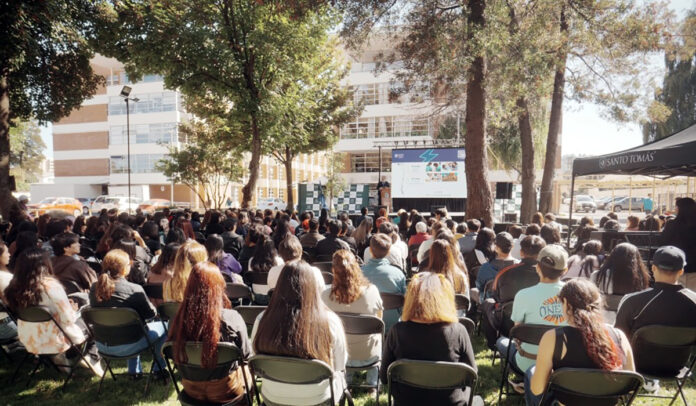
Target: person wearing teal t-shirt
{"points": [[538, 304]]}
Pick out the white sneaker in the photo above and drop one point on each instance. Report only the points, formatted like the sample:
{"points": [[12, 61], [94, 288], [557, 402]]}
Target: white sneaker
{"points": [[94, 366], [652, 385], [62, 363], [477, 401]]}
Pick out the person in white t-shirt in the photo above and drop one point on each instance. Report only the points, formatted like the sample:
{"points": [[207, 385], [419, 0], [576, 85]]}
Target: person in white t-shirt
{"points": [[290, 250]]}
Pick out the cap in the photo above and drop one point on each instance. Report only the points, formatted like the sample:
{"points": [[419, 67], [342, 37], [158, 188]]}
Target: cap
{"points": [[555, 256], [669, 258]]}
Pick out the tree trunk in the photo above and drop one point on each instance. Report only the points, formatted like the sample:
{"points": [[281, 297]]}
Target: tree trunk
{"points": [[249, 189], [8, 204], [479, 202], [528, 206], [288, 179], [555, 120]]}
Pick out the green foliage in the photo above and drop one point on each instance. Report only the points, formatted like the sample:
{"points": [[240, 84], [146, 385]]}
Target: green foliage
{"points": [[26, 155], [335, 182], [207, 163]]}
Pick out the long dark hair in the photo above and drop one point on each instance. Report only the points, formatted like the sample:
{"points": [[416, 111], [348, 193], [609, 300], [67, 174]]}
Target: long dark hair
{"points": [[264, 255], [281, 231], [166, 258], [296, 322], [24, 290], [214, 245], [484, 243], [25, 240], [628, 272], [584, 307], [198, 318], [590, 254]]}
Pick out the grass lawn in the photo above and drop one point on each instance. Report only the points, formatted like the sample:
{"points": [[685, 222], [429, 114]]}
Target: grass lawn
{"points": [[82, 390]]}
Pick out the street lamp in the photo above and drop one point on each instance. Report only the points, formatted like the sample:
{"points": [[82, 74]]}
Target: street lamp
{"points": [[125, 93]]}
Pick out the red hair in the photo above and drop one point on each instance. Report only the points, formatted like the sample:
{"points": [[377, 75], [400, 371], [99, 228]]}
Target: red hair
{"points": [[186, 227], [198, 318]]}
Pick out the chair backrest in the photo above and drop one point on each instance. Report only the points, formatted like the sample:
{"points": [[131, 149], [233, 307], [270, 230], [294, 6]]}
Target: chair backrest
{"points": [[250, 313], [192, 370], [461, 301], [168, 310], [578, 386], [413, 254], [361, 324], [392, 300], [662, 350], [236, 291], [513, 281], [324, 266], [114, 325], [70, 287], [435, 375], [34, 314], [153, 290], [529, 333], [290, 370], [259, 278], [468, 323], [611, 302], [328, 278]]}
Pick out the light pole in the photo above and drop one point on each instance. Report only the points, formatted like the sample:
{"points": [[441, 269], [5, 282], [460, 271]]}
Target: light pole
{"points": [[125, 92]]}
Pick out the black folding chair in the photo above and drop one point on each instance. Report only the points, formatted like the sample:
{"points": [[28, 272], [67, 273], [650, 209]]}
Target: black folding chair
{"points": [[41, 314], [392, 300], [259, 279], [611, 302], [238, 292], [579, 386], [113, 326], [665, 353], [324, 266], [462, 302], [469, 324], [522, 333], [250, 313], [70, 287], [435, 375], [153, 291], [294, 371], [167, 311], [192, 370], [363, 325]]}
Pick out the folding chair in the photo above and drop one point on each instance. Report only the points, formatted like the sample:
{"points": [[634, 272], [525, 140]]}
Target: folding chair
{"points": [[167, 311], [328, 278], [154, 291], [665, 353], [522, 333], [469, 324], [238, 292], [7, 341], [579, 386], [41, 314], [462, 302], [114, 326], [363, 325], [259, 281], [192, 370], [435, 375], [611, 302], [392, 300], [293, 371], [324, 266], [250, 313], [70, 287]]}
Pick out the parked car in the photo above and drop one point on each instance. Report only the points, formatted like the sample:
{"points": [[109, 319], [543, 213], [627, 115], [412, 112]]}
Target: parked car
{"points": [[68, 205], [153, 205], [122, 203], [273, 203], [632, 203], [606, 203], [585, 203]]}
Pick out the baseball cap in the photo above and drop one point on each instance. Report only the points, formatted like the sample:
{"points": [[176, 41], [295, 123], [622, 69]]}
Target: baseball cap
{"points": [[669, 258], [554, 256]]}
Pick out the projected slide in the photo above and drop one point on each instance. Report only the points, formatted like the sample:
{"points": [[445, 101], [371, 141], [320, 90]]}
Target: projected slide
{"points": [[428, 173]]}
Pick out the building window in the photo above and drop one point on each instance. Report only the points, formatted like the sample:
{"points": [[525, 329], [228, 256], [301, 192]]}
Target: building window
{"points": [[148, 103], [369, 162], [140, 163], [386, 127], [160, 133]]}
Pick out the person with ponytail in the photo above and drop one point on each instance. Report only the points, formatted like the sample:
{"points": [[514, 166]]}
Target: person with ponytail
{"points": [[112, 289], [206, 316], [587, 342]]}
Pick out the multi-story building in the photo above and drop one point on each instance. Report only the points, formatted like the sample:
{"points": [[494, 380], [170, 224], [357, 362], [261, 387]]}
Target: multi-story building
{"points": [[90, 145]]}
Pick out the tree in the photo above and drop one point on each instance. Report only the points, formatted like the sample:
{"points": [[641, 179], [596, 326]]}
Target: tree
{"points": [[316, 105], [26, 153], [335, 182], [44, 69], [233, 53], [207, 163]]}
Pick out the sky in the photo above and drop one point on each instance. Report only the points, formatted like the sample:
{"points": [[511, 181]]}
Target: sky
{"points": [[584, 132]]}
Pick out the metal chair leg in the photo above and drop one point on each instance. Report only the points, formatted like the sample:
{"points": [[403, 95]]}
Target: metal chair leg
{"points": [[14, 375], [101, 381], [31, 375]]}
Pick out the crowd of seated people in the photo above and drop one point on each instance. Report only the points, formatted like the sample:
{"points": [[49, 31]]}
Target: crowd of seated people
{"points": [[523, 275]]}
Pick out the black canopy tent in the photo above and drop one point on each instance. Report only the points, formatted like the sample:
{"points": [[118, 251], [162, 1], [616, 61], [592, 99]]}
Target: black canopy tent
{"points": [[667, 157]]}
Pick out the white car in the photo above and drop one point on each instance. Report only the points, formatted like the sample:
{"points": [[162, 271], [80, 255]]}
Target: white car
{"points": [[122, 203], [272, 203]]}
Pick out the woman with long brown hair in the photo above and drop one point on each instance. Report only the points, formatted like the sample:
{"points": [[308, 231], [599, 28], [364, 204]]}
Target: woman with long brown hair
{"points": [[429, 330], [587, 342], [352, 293], [189, 254], [112, 289], [298, 324], [442, 261], [206, 316]]}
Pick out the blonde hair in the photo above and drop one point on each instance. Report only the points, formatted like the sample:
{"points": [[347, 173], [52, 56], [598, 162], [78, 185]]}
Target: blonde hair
{"points": [[430, 299], [189, 254], [116, 264]]}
